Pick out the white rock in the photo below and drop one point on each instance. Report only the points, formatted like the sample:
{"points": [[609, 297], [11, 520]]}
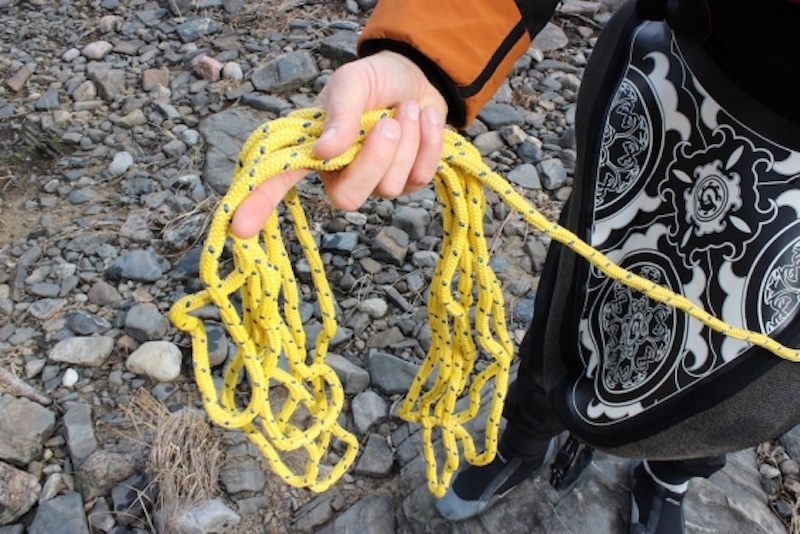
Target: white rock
{"points": [[232, 71], [111, 23], [375, 308], [70, 378], [160, 360], [97, 50], [121, 163], [70, 55]]}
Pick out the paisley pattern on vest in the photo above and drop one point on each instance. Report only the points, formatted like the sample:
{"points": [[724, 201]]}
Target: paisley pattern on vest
{"points": [[690, 197]]}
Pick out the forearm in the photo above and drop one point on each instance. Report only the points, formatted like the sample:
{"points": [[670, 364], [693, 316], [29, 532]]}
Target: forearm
{"points": [[465, 47]]}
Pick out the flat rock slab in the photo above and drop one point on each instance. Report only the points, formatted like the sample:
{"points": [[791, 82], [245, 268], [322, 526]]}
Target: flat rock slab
{"points": [[730, 501]]}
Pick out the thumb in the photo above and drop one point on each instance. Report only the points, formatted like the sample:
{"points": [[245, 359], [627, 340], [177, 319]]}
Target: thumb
{"points": [[254, 211], [345, 98]]}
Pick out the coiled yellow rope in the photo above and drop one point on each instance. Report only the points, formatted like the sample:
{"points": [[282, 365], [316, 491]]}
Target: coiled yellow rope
{"points": [[269, 323]]}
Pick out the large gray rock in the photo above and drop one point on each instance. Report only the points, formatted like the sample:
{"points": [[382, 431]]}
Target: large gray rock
{"points": [[105, 468], [110, 82], [390, 246], [89, 351], [208, 517], [376, 459], [373, 514], [225, 133], [24, 427], [413, 221], [368, 409], [389, 374], [285, 73], [19, 491], [137, 265], [550, 38], [62, 515], [145, 323], [354, 379], [242, 476], [340, 47], [159, 360], [80, 432]]}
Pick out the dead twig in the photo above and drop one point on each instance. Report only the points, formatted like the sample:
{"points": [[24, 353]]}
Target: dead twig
{"points": [[14, 385]]}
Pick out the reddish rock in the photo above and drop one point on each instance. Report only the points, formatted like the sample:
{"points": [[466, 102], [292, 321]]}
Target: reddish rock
{"points": [[207, 68], [153, 77]]}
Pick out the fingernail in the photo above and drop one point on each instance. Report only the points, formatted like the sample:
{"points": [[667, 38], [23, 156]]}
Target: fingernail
{"points": [[327, 134], [411, 111], [389, 129]]}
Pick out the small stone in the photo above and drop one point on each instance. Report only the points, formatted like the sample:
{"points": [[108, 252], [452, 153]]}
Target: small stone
{"points": [[44, 309], [390, 246], [132, 119], [17, 81], [207, 67], [285, 73], [174, 148], [103, 294], [86, 351], [154, 77], [232, 71], [48, 101], [97, 50], [145, 323], [209, 516], [138, 265], [389, 374], [19, 491], [105, 468], [242, 476], [368, 409], [70, 378], [413, 221], [553, 174], [375, 307], [159, 360], [525, 175], [63, 514], [24, 427], [70, 55], [80, 432], [87, 91], [376, 460], [110, 82], [354, 379]]}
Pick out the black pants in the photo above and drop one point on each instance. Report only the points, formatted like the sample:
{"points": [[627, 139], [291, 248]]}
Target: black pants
{"points": [[530, 416]]}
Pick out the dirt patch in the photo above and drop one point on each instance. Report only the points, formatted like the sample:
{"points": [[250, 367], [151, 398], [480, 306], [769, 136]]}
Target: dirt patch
{"points": [[20, 164]]}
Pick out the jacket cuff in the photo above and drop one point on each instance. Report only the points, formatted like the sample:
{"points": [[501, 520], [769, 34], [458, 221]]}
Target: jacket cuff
{"points": [[466, 48]]}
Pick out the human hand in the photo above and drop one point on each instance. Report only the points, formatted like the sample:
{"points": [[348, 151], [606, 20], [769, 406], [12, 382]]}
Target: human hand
{"points": [[399, 155]]}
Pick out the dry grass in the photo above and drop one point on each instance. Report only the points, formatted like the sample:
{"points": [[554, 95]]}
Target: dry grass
{"points": [[185, 459]]}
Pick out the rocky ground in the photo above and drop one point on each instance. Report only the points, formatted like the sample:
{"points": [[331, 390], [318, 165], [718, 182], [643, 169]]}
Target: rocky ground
{"points": [[119, 126]]}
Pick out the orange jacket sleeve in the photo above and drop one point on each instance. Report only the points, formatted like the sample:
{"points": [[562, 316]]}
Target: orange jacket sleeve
{"points": [[465, 47]]}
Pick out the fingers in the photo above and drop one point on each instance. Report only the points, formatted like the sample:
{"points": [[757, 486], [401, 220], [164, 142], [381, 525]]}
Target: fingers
{"points": [[393, 182], [349, 188], [255, 209], [431, 145]]}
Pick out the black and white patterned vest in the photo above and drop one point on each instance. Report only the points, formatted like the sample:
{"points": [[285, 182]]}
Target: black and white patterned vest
{"points": [[694, 185]]}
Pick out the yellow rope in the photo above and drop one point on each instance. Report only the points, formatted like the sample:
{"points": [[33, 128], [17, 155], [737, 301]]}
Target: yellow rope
{"points": [[267, 323]]}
